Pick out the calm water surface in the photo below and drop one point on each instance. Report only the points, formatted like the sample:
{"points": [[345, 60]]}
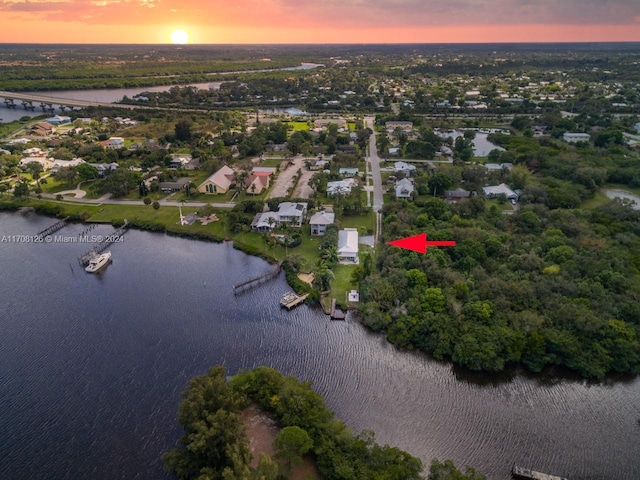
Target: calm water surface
{"points": [[92, 366]]}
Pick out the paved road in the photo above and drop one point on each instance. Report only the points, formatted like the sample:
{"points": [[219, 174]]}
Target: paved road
{"points": [[374, 167]]}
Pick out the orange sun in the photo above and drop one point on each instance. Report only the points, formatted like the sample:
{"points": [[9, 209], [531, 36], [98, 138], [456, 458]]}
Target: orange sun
{"points": [[179, 37]]}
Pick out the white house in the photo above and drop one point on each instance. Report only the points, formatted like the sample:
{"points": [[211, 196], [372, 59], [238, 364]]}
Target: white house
{"points": [[576, 137], [496, 190], [403, 167], [46, 163], [180, 160], [58, 120], [265, 222], [404, 188], [637, 127], [341, 187], [292, 213], [58, 164], [319, 222], [348, 245], [113, 143]]}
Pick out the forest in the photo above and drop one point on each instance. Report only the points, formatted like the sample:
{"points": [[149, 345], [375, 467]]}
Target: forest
{"points": [[215, 445], [548, 286]]}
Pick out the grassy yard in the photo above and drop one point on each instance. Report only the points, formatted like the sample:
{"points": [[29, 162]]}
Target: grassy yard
{"points": [[298, 126], [506, 206], [363, 223], [54, 186], [598, 200], [271, 162]]}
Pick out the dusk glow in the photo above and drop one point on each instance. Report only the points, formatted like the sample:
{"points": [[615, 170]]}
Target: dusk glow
{"points": [[348, 21]]}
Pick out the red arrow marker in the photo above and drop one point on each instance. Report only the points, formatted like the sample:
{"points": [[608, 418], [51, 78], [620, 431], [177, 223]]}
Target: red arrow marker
{"points": [[419, 243]]}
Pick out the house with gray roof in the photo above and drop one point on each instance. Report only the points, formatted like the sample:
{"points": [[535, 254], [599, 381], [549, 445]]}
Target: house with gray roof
{"points": [[292, 213], [497, 190], [404, 188], [319, 222], [348, 245]]}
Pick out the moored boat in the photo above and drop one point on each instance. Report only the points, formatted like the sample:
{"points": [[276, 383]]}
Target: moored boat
{"points": [[98, 262]]}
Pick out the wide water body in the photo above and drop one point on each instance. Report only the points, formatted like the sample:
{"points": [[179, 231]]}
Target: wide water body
{"points": [[92, 366]]}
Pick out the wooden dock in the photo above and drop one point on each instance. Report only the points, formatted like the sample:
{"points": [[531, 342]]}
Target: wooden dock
{"points": [[290, 300], [100, 247], [53, 228], [336, 313], [257, 280], [527, 474]]}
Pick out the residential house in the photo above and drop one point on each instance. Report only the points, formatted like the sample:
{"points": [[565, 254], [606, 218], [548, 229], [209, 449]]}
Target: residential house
{"points": [[319, 222], [319, 165], [497, 190], [292, 213], [270, 170], [576, 137], [257, 182], [404, 167], [58, 120], [456, 195], [348, 172], [404, 188], [42, 129], [398, 124], [637, 127], [348, 245], [265, 222], [46, 163], [498, 167], [34, 152], [340, 187], [394, 151], [179, 160], [58, 164], [219, 182], [103, 168], [113, 143], [178, 185], [322, 123]]}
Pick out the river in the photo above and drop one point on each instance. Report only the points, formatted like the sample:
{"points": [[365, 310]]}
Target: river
{"points": [[109, 95], [92, 366]]}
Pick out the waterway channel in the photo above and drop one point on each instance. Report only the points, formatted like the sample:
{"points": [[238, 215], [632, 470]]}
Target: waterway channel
{"points": [[92, 366]]}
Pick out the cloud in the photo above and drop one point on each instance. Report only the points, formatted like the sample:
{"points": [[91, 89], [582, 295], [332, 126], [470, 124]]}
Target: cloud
{"points": [[301, 14]]}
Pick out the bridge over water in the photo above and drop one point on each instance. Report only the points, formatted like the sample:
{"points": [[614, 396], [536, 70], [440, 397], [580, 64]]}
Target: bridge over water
{"points": [[27, 99]]}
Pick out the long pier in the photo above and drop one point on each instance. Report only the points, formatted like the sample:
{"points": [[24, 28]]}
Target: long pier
{"points": [[257, 280], [53, 228], [103, 245]]}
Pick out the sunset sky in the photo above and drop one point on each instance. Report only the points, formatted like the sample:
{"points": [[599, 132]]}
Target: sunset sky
{"points": [[319, 21]]}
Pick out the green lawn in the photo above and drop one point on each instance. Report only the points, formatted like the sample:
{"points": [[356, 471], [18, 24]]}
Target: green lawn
{"points": [[598, 200], [501, 205], [363, 223], [351, 126], [54, 186], [298, 126], [271, 162]]}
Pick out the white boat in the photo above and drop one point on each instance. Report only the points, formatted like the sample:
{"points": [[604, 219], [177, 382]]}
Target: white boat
{"points": [[98, 262]]}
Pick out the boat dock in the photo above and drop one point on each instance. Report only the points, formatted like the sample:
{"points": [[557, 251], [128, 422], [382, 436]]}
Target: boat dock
{"points": [[527, 474], [98, 248], [257, 280], [336, 313], [290, 300], [53, 228]]}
